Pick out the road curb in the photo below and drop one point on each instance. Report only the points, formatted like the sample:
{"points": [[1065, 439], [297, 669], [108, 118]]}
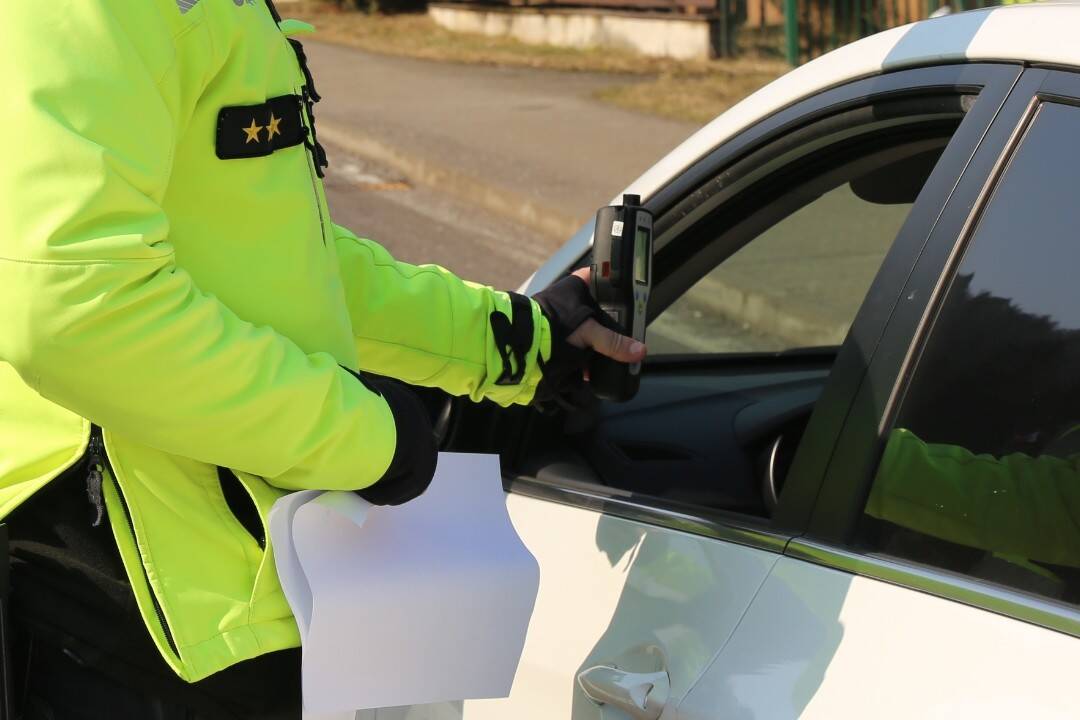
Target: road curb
{"points": [[461, 186]]}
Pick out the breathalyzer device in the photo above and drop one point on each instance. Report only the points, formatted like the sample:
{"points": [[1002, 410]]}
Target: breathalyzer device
{"points": [[621, 278]]}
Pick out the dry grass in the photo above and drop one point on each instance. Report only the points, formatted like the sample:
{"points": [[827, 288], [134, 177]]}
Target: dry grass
{"points": [[694, 97], [695, 90]]}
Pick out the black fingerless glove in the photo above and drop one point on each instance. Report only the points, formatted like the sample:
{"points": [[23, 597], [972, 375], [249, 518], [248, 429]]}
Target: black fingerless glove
{"points": [[415, 454], [567, 304]]}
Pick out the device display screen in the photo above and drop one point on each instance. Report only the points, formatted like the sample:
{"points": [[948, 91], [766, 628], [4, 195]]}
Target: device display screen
{"points": [[641, 256]]}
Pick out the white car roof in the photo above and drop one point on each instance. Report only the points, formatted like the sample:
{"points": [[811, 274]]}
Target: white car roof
{"points": [[1043, 33]]}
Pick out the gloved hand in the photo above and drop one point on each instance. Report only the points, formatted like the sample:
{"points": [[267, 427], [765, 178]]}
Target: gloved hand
{"points": [[415, 455], [578, 328]]}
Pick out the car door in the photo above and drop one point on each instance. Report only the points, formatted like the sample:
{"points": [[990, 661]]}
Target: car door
{"points": [[940, 573], [656, 522]]}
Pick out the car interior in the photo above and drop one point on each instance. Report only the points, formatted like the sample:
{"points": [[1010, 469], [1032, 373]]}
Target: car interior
{"points": [[717, 432]]}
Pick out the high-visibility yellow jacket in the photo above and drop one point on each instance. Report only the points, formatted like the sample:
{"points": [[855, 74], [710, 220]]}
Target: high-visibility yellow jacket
{"points": [[169, 272]]}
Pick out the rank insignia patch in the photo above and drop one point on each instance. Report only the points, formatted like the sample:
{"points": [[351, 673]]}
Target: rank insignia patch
{"points": [[247, 131]]}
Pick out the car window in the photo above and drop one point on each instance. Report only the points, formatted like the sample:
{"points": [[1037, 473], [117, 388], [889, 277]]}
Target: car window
{"points": [[799, 284], [980, 473], [812, 212]]}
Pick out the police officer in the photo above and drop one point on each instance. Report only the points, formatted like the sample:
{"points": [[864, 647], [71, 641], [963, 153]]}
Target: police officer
{"points": [[186, 336]]}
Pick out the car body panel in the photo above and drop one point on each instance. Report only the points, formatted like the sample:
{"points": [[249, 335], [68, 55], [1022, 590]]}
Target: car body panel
{"points": [[613, 592], [820, 643], [745, 632]]}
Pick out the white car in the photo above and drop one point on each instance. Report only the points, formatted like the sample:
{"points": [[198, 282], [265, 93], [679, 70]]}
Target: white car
{"points": [[866, 285]]}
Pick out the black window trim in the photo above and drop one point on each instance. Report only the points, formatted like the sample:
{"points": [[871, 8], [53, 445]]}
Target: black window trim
{"points": [[999, 599], [697, 232], [956, 77], [992, 82], [829, 537], [849, 472]]}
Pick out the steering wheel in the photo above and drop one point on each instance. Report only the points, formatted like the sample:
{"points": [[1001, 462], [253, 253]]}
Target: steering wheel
{"points": [[778, 458]]}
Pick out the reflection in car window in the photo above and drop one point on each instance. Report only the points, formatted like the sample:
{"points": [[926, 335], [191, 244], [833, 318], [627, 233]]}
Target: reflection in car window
{"points": [[981, 472], [798, 284]]}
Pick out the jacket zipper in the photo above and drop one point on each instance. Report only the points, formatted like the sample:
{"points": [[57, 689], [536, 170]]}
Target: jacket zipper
{"points": [[313, 170], [98, 463], [309, 96]]}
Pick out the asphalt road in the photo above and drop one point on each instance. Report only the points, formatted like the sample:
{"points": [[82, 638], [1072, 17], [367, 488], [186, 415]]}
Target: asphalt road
{"points": [[535, 133], [421, 225]]}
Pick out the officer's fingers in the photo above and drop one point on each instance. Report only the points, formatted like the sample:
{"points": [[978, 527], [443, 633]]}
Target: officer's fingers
{"points": [[592, 334], [607, 342]]}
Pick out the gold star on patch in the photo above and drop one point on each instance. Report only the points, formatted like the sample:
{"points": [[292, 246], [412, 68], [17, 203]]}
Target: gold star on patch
{"points": [[273, 127], [252, 132]]}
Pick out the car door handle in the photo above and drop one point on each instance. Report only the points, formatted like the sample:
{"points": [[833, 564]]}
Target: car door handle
{"points": [[641, 695]]}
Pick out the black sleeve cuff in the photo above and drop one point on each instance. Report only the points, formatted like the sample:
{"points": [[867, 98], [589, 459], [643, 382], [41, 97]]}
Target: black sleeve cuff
{"points": [[415, 454]]}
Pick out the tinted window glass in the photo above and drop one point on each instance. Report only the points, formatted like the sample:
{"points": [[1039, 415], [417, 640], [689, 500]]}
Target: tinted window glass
{"points": [[981, 471], [799, 283]]}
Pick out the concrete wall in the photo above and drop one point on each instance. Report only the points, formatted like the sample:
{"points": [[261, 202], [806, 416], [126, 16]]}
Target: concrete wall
{"points": [[684, 38]]}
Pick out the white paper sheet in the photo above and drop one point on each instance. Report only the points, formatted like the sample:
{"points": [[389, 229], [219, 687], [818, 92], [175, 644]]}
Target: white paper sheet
{"points": [[419, 603]]}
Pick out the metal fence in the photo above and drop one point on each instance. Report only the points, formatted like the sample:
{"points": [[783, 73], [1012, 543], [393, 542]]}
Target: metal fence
{"points": [[814, 27], [798, 30]]}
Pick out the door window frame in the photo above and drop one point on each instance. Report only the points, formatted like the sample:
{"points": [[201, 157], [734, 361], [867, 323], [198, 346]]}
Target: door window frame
{"points": [[850, 472], [992, 82]]}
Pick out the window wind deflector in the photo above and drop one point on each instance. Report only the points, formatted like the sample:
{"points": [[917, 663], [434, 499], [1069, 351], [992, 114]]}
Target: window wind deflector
{"points": [[897, 183]]}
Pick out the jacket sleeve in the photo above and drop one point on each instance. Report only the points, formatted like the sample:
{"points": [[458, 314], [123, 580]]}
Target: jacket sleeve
{"points": [[1015, 505], [423, 325], [97, 316]]}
